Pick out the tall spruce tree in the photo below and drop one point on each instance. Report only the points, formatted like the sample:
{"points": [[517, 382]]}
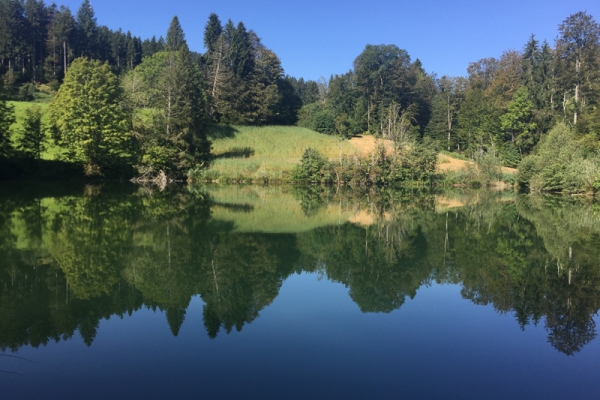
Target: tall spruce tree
{"points": [[175, 36], [212, 32], [87, 30], [7, 118], [33, 138]]}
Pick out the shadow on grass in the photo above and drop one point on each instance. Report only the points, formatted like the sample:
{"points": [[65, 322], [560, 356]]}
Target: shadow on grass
{"points": [[233, 207], [221, 132], [237, 152]]}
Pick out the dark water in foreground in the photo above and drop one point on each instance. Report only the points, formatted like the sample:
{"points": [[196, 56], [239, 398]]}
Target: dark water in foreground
{"points": [[258, 292]]}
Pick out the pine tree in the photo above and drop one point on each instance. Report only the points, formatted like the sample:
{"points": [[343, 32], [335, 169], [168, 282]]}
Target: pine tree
{"points": [[7, 118], [175, 36], [33, 139], [37, 19], [212, 32], [65, 34], [87, 30]]}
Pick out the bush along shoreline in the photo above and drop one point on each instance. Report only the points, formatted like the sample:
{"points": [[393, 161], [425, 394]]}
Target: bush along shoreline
{"points": [[562, 163], [416, 165]]}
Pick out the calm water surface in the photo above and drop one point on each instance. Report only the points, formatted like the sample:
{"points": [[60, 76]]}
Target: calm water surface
{"points": [[121, 292]]}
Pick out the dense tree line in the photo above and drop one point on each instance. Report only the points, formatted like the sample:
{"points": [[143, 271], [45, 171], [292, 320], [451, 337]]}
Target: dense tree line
{"points": [[168, 95], [38, 42], [504, 105], [121, 102]]}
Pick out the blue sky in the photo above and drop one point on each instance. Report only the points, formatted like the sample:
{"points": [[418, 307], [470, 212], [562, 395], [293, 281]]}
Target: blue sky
{"points": [[317, 38]]}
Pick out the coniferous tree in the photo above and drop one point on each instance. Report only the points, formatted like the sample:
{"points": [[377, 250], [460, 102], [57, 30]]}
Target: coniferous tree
{"points": [[212, 32], [7, 118], [175, 36], [172, 88], [87, 31], [33, 138], [36, 25], [13, 26], [65, 35]]}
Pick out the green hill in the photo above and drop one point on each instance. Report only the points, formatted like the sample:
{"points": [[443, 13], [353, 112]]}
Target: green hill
{"points": [[256, 153]]}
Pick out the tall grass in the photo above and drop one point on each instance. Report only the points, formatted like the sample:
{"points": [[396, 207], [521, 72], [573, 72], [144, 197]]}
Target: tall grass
{"points": [[266, 153]]}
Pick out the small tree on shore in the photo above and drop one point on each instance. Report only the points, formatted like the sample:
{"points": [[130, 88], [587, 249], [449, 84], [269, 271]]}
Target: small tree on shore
{"points": [[33, 138]]}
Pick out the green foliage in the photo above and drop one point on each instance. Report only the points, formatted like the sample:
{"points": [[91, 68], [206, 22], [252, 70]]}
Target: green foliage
{"points": [[7, 118], [167, 86], [27, 92], [417, 164], [33, 137], [516, 122], [312, 167], [175, 36], [86, 117], [317, 118], [560, 163]]}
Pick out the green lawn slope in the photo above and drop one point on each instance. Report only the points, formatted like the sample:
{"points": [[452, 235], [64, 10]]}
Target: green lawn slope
{"points": [[259, 153]]}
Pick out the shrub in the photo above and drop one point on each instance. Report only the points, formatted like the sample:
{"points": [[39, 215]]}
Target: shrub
{"points": [[316, 117], [417, 165], [312, 167], [561, 163]]}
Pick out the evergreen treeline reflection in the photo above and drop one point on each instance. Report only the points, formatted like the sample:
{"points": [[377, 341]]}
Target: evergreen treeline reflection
{"points": [[74, 256]]}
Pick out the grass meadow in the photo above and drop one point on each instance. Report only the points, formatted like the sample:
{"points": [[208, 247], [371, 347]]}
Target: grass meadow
{"points": [[259, 153]]}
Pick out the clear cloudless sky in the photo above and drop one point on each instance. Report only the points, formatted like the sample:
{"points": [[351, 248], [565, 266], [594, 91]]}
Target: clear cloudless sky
{"points": [[316, 38]]}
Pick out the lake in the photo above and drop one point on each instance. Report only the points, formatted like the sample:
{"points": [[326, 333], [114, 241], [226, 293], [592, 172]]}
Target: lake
{"points": [[115, 291]]}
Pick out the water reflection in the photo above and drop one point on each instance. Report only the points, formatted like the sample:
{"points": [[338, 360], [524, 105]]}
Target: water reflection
{"points": [[74, 256]]}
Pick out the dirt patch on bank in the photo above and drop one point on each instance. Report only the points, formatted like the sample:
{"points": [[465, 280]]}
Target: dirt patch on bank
{"points": [[451, 164], [366, 144]]}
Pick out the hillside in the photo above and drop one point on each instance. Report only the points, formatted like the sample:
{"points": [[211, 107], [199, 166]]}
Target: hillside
{"points": [[257, 153]]}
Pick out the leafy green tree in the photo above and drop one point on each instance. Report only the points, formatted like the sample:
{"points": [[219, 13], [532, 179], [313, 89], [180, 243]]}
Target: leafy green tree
{"points": [[33, 138], [169, 85], [86, 117], [516, 122]]}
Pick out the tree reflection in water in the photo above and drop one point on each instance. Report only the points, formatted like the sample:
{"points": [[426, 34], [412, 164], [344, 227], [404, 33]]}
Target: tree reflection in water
{"points": [[74, 256]]}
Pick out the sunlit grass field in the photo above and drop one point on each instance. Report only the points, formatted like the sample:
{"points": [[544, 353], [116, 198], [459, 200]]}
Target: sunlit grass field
{"points": [[257, 153]]}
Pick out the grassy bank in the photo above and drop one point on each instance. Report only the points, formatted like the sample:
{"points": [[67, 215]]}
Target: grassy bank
{"points": [[259, 153]]}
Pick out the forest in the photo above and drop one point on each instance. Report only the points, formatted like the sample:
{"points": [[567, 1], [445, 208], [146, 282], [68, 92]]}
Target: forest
{"points": [[120, 105]]}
